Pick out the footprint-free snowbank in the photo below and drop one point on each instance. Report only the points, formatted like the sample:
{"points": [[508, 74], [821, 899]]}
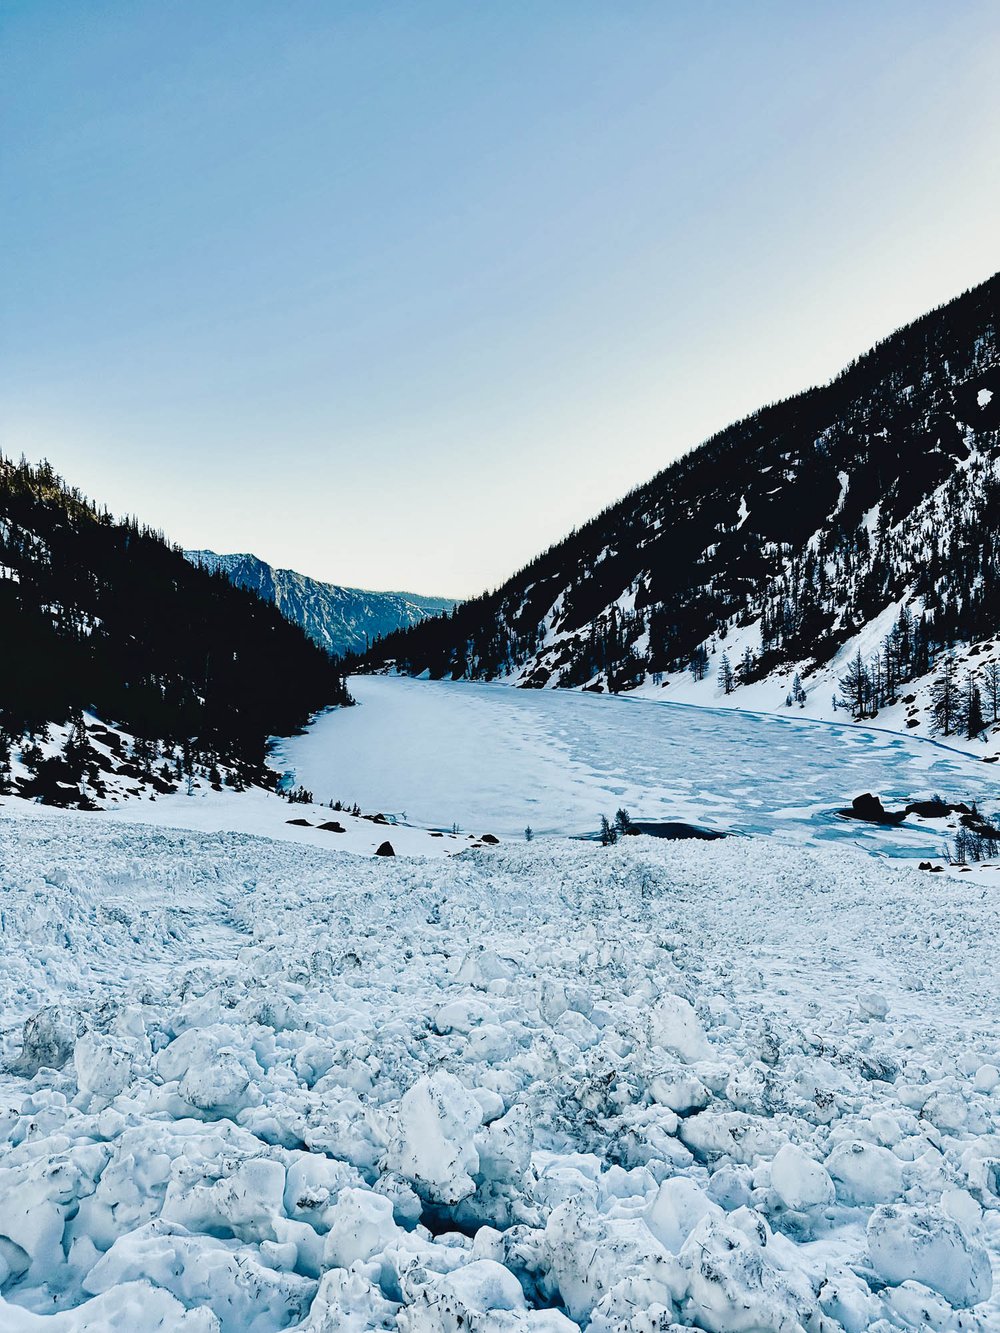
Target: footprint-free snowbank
{"points": [[728, 1086]]}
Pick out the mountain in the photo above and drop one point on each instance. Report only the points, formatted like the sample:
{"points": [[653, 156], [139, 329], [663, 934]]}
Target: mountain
{"points": [[861, 517], [105, 617], [341, 620]]}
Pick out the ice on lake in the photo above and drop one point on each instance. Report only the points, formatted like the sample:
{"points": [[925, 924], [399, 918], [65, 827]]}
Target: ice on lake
{"points": [[490, 758]]}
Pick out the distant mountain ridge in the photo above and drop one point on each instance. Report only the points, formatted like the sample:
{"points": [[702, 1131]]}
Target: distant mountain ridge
{"points": [[861, 517], [341, 620]]}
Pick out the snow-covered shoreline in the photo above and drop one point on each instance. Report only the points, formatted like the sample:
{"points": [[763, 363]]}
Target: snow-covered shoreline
{"points": [[545, 1087]]}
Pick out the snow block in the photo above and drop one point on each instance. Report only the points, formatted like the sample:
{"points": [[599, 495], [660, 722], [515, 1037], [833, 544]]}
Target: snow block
{"points": [[864, 1173], [433, 1139], [675, 1027], [914, 1243], [799, 1181], [734, 1284], [678, 1207]]}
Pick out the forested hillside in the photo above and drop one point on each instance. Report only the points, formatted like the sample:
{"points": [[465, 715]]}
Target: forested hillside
{"points": [[103, 615], [786, 536]]}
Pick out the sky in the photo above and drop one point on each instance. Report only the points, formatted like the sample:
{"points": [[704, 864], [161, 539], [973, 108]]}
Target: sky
{"points": [[396, 294]]}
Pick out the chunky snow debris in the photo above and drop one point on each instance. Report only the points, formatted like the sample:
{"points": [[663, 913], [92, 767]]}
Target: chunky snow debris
{"points": [[910, 1243], [249, 1087]]}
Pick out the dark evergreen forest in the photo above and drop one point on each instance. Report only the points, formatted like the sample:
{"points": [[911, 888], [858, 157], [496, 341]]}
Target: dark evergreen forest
{"points": [[104, 615], [812, 516]]}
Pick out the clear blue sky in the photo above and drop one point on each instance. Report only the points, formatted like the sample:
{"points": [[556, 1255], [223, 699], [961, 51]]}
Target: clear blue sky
{"points": [[396, 294]]}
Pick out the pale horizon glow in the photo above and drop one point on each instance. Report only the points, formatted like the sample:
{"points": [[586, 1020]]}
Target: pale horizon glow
{"points": [[397, 295]]}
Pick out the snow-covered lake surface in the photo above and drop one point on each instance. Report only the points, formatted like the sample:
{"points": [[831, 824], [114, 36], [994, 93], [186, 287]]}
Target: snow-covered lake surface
{"points": [[496, 759], [250, 1087]]}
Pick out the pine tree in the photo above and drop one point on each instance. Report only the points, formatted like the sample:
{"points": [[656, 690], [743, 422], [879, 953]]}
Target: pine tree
{"points": [[991, 689], [972, 709], [855, 686], [6, 775], [726, 674], [698, 666], [946, 697], [963, 848], [75, 747]]}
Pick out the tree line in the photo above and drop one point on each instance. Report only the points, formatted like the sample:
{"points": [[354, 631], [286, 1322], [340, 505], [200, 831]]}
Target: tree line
{"points": [[961, 704]]}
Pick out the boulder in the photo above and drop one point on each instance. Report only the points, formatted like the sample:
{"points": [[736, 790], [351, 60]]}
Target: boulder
{"points": [[870, 809]]}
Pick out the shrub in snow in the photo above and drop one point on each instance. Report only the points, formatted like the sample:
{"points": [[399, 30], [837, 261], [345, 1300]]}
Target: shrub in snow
{"points": [[921, 1244]]}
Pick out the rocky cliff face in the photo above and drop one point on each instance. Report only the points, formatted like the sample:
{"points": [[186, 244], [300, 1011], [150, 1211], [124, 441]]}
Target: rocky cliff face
{"points": [[341, 620]]}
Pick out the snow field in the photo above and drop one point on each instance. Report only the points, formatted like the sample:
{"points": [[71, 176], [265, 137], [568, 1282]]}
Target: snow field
{"points": [[253, 1086]]}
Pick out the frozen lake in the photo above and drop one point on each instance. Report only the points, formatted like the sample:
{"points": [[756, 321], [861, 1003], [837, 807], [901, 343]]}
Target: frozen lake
{"points": [[493, 759]]}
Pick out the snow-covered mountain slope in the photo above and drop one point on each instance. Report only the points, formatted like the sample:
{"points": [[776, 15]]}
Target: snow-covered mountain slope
{"points": [[535, 1089], [863, 515], [341, 620]]}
